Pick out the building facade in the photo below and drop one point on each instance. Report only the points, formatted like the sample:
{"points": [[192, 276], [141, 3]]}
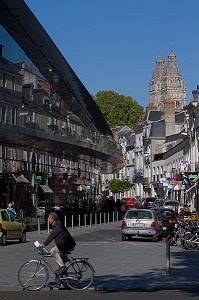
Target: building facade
{"points": [[55, 142]]}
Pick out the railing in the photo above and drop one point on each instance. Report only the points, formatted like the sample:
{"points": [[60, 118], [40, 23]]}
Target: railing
{"points": [[84, 220]]}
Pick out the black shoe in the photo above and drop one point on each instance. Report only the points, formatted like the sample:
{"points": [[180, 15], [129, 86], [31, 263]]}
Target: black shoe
{"points": [[61, 271]]}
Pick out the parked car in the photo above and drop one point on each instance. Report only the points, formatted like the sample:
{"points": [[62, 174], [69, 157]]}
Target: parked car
{"points": [[168, 219], [158, 203], [141, 223], [11, 227], [148, 202], [131, 202], [172, 204]]}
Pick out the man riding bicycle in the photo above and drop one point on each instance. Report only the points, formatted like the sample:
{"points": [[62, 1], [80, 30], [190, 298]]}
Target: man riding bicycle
{"points": [[63, 240]]}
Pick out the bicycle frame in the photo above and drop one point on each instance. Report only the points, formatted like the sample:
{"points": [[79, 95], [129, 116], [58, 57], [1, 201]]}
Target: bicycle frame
{"points": [[78, 275]]}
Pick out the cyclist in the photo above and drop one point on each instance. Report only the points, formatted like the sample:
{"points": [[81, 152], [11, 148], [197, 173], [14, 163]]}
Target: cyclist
{"points": [[63, 240]]}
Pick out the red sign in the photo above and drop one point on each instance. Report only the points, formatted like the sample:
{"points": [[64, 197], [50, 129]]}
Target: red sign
{"points": [[80, 179]]}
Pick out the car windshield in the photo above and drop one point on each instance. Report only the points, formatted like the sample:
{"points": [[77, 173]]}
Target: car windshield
{"points": [[166, 214], [150, 199], [171, 203], [139, 215]]}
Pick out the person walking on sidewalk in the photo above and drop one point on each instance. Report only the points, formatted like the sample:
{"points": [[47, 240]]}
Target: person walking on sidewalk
{"points": [[63, 240]]}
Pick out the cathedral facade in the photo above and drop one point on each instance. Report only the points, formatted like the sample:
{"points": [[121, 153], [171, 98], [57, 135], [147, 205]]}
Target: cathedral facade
{"points": [[166, 83]]}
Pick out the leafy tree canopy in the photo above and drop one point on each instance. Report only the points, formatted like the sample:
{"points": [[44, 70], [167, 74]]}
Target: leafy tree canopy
{"points": [[119, 110], [119, 186]]}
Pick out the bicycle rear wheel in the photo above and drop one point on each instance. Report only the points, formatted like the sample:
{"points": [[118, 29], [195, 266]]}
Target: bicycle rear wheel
{"points": [[80, 274], [33, 275], [189, 241]]}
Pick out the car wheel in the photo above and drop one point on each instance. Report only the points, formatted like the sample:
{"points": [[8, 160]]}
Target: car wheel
{"points": [[3, 239], [155, 238], [23, 238], [123, 237]]}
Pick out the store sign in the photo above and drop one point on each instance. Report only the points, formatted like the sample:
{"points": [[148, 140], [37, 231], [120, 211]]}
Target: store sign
{"points": [[184, 166], [38, 178]]}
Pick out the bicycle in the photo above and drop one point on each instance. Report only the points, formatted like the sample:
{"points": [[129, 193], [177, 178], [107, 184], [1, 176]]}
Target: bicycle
{"points": [[34, 274]]}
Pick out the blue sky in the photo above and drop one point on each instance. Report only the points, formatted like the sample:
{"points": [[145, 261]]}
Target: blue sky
{"points": [[113, 44]]}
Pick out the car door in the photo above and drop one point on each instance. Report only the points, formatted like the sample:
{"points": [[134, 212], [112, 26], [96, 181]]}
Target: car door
{"points": [[6, 223], [16, 226]]}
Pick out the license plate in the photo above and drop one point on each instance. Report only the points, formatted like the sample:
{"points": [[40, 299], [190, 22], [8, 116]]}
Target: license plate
{"points": [[164, 228], [138, 225]]}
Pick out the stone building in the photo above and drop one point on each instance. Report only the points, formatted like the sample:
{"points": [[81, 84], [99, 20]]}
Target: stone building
{"points": [[166, 83]]}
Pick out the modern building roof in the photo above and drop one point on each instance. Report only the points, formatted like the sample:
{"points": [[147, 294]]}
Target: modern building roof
{"points": [[22, 25]]}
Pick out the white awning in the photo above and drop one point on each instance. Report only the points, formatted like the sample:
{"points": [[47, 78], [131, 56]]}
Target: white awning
{"points": [[45, 188], [193, 186], [21, 179]]}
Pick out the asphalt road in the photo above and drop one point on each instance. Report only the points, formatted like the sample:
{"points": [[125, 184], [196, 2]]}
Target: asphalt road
{"points": [[94, 295], [132, 268]]}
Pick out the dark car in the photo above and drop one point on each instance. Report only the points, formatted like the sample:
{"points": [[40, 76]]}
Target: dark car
{"points": [[168, 219], [148, 202], [158, 203]]}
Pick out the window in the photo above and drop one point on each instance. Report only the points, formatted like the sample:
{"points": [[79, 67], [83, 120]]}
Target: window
{"points": [[4, 80], [13, 83], [4, 216]]}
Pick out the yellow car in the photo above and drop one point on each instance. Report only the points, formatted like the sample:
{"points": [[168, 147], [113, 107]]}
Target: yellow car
{"points": [[11, 227]]}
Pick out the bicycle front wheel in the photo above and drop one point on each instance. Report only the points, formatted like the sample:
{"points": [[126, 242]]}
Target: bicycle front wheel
{"points": [[190, 241], [79, 275], [33, 275]]}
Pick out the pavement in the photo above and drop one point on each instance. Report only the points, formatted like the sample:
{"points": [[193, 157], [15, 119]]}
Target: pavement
{"points": [[180, 270]]}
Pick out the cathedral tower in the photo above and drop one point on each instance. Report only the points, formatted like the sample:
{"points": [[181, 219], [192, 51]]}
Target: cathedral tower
{"points": [[167, 83]]}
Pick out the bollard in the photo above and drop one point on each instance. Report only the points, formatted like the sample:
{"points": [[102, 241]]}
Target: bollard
{"points": [[65, 220], [91, 219], [100, 218], [84, 220], [72, 221], [79, 221], [38, 225], [168, 257], [48, 227], [95, 218]]}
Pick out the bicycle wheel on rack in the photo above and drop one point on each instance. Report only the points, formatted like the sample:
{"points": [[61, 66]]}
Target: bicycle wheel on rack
{"points": [[33, 275], [80, 274], [189, 241]]}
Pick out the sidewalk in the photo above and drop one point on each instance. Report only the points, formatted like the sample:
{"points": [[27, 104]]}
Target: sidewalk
{"points": [[184, 266]]}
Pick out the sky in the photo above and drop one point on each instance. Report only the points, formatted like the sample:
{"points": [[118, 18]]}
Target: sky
{"points": [[112, 45]]}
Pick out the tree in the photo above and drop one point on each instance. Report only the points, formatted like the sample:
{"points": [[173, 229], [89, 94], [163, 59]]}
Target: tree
{"points": [[119, 110], [119, 186]]}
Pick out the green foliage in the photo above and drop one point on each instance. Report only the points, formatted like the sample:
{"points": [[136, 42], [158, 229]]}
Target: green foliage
{"points": [[119, 110], [119, 186]]}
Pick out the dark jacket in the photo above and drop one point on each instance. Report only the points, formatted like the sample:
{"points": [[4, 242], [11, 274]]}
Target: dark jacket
{"points": [[63, 240]]}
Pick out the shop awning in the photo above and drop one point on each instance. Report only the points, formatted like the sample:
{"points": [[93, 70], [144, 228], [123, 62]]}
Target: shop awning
{"points": [[45, 188], [21, 179], [192, 187]]}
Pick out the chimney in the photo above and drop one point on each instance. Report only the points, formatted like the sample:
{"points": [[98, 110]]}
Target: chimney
{"points": [[169, 116]]}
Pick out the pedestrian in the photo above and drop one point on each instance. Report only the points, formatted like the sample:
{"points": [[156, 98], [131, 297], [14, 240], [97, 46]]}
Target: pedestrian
{"points": [[11, 208], [63, 240]]}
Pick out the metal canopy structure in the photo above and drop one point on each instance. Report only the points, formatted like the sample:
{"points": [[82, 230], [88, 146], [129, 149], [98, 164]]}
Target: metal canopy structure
{"points": [[25, 29]]}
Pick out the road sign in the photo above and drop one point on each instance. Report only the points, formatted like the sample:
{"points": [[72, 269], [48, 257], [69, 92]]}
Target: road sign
{"points": [[185, 180]]}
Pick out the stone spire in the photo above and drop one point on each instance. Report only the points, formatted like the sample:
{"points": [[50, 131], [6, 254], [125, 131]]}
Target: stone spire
{"points": [[167, 83]]}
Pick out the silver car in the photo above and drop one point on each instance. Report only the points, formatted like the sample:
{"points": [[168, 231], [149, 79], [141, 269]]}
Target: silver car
{"points": [[141, 223]]}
